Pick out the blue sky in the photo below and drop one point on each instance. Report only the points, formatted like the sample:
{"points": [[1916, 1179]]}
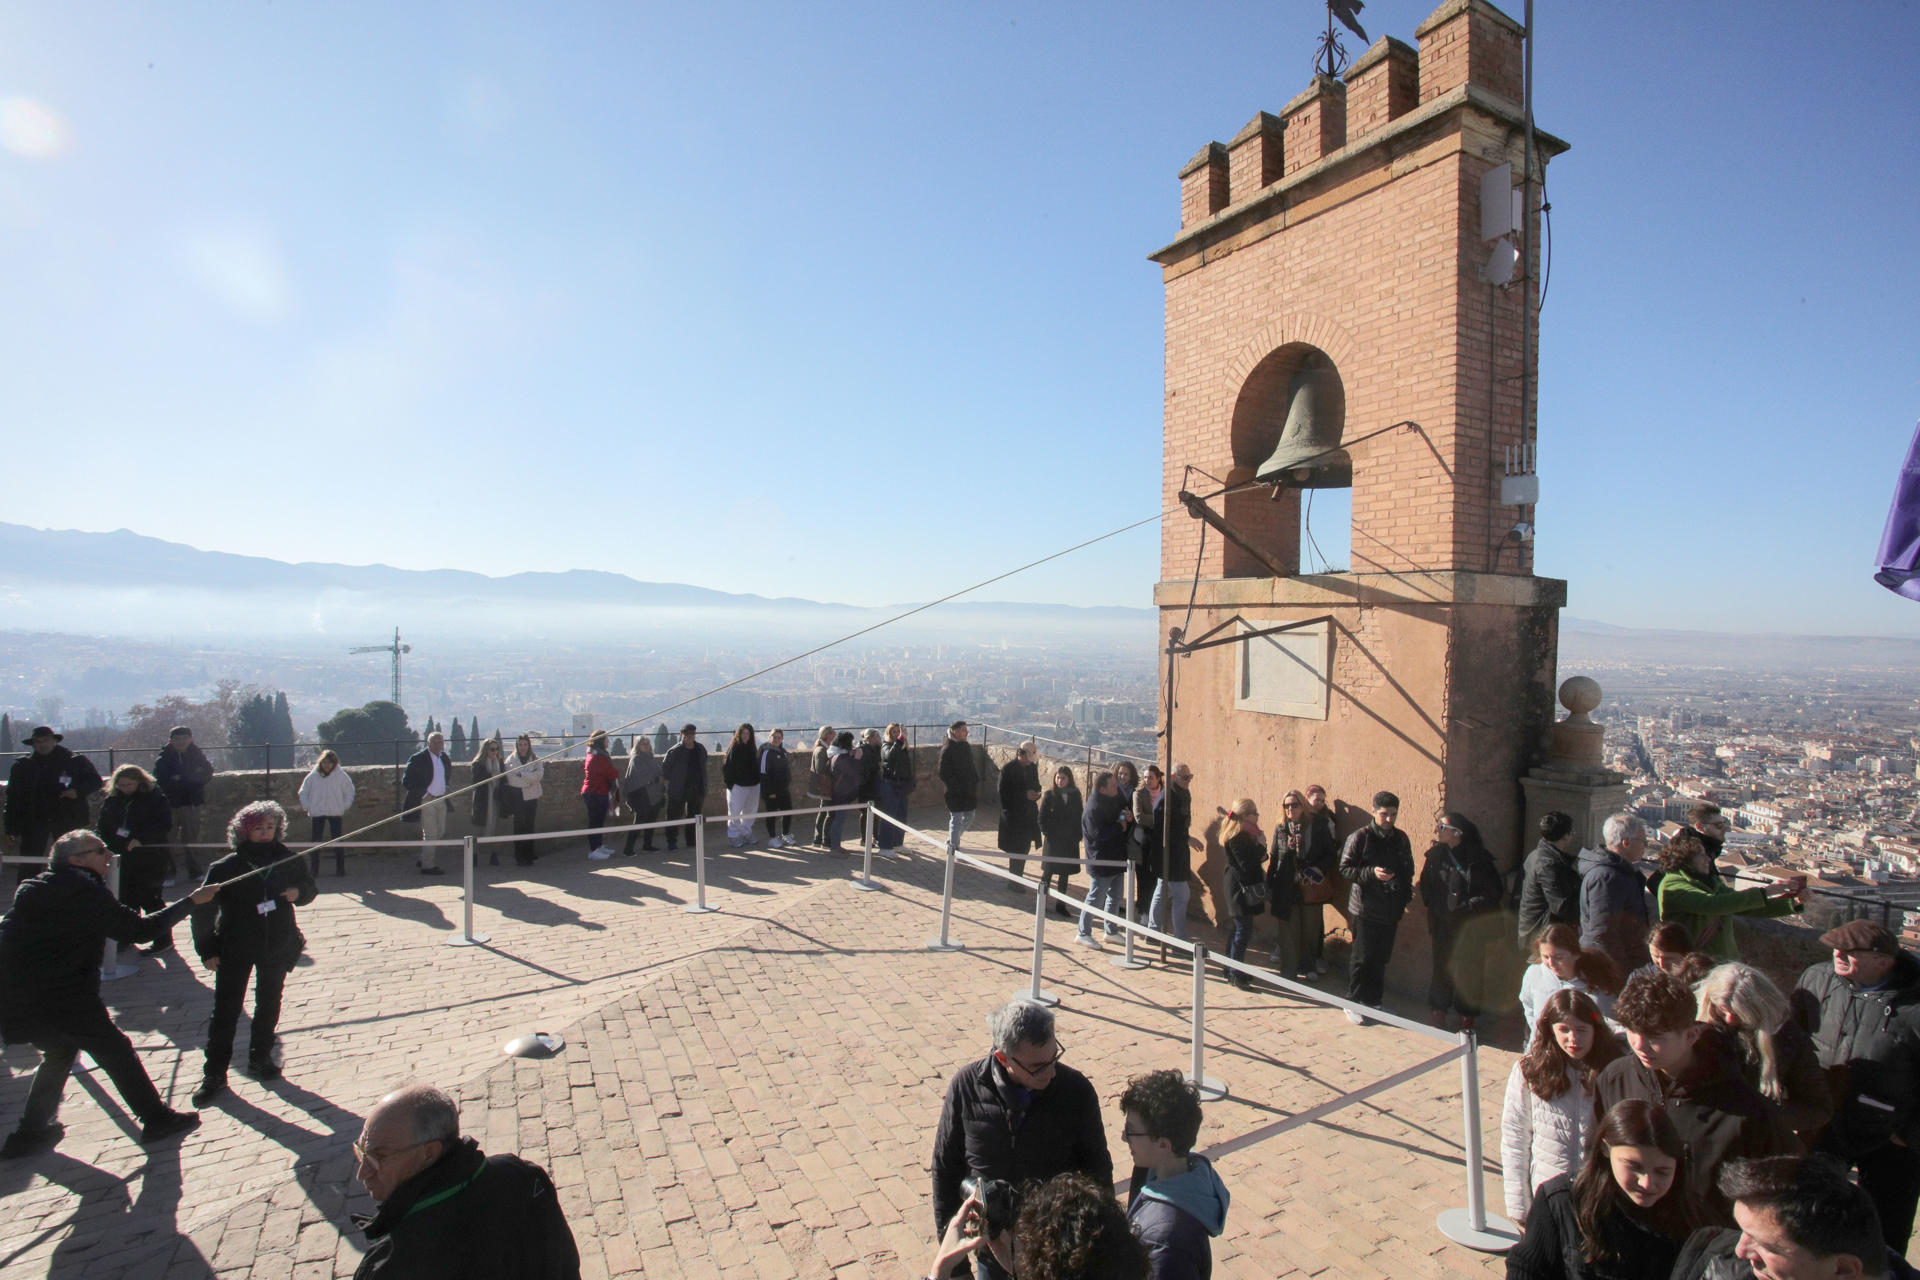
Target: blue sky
{"points": [[850, 301]]}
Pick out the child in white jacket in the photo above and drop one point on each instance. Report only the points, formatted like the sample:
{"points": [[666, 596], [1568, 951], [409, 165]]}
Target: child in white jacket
{"points": [[1549, 1108]]}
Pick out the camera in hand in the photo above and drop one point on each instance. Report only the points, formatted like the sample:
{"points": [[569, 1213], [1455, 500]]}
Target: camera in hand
{"points": [[999, 1203]]}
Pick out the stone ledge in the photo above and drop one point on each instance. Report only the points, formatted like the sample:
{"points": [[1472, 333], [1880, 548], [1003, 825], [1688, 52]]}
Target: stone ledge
{"points": [[1354, 590]]}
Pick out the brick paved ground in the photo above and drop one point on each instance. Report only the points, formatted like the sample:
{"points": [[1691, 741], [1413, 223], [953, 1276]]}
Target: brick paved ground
{"points": [[746, 1093]]}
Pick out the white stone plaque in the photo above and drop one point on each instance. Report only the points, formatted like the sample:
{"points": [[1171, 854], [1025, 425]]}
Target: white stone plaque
{"points": [[1284, 674]]}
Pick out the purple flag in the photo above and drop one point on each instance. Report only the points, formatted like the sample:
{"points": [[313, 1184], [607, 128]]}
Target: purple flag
{"points": [[1899, 558]]}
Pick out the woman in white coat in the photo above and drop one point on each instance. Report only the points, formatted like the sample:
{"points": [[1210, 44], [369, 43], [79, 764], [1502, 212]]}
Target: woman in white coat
{"points": [[1549, 1107], [326, 793], [523, 776]]}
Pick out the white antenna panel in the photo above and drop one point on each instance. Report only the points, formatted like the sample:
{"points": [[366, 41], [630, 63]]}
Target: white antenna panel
{"points": [[1497, 215]]}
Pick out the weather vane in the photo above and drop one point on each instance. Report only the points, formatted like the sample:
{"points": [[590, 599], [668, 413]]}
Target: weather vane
{"points": [[1331, 57]]}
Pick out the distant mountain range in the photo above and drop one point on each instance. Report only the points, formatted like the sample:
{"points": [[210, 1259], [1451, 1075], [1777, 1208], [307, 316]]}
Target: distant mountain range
{"points": [[124, 583], [127, 583]]}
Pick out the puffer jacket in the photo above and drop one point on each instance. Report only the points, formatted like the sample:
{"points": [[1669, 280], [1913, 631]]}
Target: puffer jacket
{"points": [[1173, 1217], [1869, 1043], [326, 795], [233, 926], [1540, 1140], [896, 763], [1371, 898], [526, 775], [1613, 908], [1549, 891], [142, 816]]}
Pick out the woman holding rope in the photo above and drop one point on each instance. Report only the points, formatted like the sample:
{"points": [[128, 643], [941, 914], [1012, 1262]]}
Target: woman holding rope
{"points": [[248, 932]]}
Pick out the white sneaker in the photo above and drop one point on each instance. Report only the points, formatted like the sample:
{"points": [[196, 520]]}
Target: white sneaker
{"points": [[1357, 1020], [599, 855], [1088, 940]]}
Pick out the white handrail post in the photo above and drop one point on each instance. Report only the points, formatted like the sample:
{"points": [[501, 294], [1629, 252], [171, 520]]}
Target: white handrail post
{"points": [[1125, 960], [699, 904], [110, 966], [943, 942], [467, 937], [1211, 1090], [864, 881], [1471, 1226], [1033, 991]]}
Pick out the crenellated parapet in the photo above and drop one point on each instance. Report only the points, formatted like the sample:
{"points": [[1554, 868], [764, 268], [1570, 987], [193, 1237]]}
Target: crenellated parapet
{"points": [[1466, 47]]}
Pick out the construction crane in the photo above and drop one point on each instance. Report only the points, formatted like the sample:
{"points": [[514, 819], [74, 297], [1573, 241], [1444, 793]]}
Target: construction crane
{"points": [[396, 649]]}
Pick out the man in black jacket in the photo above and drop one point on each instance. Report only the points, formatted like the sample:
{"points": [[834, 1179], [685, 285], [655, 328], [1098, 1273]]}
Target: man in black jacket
{"points": [[1692, 1071], [50, 945], [1017, 1114], [1863, 1011], [183, 772], [449, 1211], [428, 778], [1799, 1217], [47, 793], [1377, 861], [1550, 880], [684, 772], [961, 778]]}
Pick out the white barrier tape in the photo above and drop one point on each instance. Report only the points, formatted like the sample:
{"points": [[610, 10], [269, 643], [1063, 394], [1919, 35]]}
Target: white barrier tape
{"points": [[1315, 1113], [659, 825]]}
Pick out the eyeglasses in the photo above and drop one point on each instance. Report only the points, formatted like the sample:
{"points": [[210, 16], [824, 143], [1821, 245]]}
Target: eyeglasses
{"points": [[374, 1159], [1130, 1134], [1040, 1068]]}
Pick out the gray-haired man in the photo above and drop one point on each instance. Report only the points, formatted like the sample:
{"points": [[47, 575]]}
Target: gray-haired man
{"points": [[449, 1209], [1018, 1114], [50, 945], [1613, 894]]}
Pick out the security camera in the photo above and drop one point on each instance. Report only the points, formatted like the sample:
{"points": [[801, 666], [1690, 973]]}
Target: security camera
{"points": [[1522, 532]]}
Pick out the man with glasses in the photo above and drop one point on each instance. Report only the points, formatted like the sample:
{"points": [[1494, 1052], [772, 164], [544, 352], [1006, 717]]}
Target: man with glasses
{"points": [[1019, 1114], [50, 948], [1863, 1012], [446, 1208]]}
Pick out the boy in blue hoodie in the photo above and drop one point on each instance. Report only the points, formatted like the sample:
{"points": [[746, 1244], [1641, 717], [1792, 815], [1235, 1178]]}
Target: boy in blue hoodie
{"points": [[1177, 1200]]}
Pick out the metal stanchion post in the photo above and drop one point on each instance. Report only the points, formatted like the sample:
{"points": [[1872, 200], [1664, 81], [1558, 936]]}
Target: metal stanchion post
{"points": [[943, 942], [1033, 991], [1125, 959], [110, 966], [1211, 1090], [1471, 1226], [864, 881], [467, 937], [699, 904]]}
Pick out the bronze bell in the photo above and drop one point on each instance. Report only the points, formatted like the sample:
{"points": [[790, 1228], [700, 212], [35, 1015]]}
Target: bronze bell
{"points": [[1309, 455]]}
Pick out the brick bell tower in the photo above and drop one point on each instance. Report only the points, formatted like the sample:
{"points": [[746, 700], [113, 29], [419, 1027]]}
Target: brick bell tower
{"points": [[1341, 312]]}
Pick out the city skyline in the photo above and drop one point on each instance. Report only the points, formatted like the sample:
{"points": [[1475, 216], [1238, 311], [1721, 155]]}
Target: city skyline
{"points": [[695, 296]]}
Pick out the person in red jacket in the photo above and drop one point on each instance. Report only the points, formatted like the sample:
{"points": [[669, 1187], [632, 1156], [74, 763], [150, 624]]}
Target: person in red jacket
{"points": [[599, 791]]}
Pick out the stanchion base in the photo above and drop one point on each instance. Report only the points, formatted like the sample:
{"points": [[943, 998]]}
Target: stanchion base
{"points": [[1211, 1090], [477, 940], [866, 886], [1043, 996], [934, 944], [109, 972], [1497, 1236], [695, 909], [1121, 962]]}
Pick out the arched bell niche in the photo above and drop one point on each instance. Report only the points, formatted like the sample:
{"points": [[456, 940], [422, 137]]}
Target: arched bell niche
{"points": [[1287, 423]]}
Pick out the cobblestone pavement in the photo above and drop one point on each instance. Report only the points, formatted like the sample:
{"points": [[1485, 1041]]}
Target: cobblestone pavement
{"points": [[746, 1093]]}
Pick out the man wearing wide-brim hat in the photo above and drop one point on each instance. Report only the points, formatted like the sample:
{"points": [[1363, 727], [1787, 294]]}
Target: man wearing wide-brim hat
{"points": [[47, 794], [1862, 1009]]}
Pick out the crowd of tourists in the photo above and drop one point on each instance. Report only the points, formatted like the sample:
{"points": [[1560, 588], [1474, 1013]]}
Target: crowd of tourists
{"points": [[1674, 1111]]}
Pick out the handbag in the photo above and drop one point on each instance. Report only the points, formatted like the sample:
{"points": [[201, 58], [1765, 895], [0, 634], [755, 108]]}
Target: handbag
{"points": [[1317, 888]]}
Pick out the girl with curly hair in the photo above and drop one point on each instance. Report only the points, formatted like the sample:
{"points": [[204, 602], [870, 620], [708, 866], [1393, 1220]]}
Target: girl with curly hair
{"points": [[1549, 1107]]}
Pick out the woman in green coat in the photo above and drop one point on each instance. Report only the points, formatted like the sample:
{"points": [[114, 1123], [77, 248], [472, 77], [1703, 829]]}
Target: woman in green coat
{"points": [[1693, 895]]}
